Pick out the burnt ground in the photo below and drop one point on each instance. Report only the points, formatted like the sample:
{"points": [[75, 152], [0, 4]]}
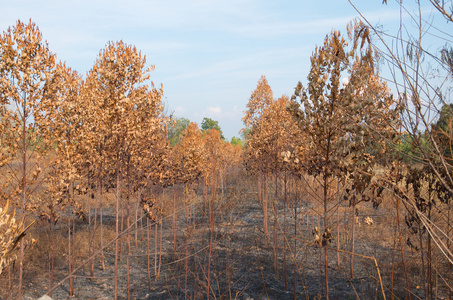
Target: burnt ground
{"points": [[242, 263]]}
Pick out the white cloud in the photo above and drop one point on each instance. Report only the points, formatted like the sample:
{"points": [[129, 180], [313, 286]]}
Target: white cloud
{"points": [[179, 111], [233, 114], [219, 114], [214, 111]]}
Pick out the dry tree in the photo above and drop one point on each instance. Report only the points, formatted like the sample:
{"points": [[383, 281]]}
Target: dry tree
{"points": [[419, 62], [187, 157], [126, 115], [259, 101], [26, 71], [273, 137], [349, 118], [61, 121], [200, 160], [275, 133]]}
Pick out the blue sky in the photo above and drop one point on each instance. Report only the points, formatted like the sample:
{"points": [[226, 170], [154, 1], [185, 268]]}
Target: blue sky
{"points": [[208, 55]]}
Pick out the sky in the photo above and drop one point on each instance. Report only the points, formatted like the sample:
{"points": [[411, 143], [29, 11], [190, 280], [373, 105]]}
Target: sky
{"points": [[208, 54]]}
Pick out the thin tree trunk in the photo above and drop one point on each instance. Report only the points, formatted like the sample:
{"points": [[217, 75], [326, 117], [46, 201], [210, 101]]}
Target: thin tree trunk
{"points": [[401, 247], [69, 258], [211, 236], [258, 187], [295, 241], [121, 211], [284, 232], [51, 256], [147, 253], [174, 219], [275, 204], [353, 239], [90, 238], [128, 258], [422, 256], [392, 281], [338, 227], [117, 227], [73, 262], [186, 259], [95, 228], [127, 213], [136, 220], [101, 238], [158, 261], [265, 216], [24, 200], [429, 260], [326, 261], [160, 249], [155, 251], [450, 293]]}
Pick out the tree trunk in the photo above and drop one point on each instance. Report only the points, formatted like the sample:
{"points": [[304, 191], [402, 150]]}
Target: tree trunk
{"points": [[326, 261], [90, 238], [101, 238], [51, 256], [284, 231], [24, 200], [73, 260], [338, 227], [429, 261], [258, 187], [401, 247], [70, 259], [117, 227], [186, 258], [147, 253], [353, 239], [265, 216], [275, 207], [295, 241], [160, 249], [128, 258], [137, 206], [211, 235], [155, 251], [174, 219]]}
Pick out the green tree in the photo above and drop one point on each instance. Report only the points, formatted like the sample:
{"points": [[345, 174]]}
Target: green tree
{"points": [[245, 134], [208, 124], [236, 141], [409, 147], [176, 127], [442, 131]]}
